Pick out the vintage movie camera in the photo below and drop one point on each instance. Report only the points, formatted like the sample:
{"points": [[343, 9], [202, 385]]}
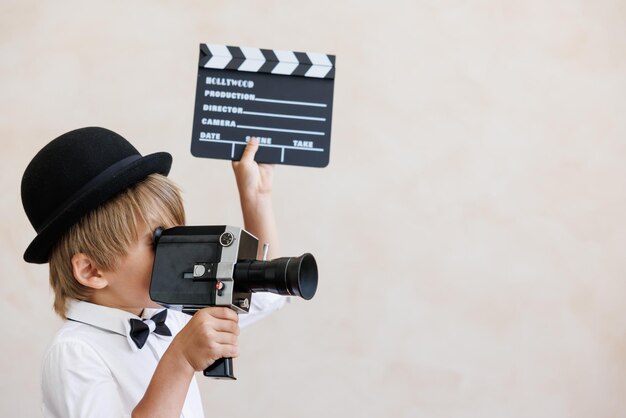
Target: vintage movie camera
{"points": [[201, 266]]}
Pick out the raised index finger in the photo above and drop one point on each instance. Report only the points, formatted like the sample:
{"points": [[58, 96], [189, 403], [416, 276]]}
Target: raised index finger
{"points": [[250, 150]]}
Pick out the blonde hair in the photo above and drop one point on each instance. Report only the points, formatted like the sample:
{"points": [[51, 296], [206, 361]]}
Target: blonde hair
{"points": [[106, 233]]}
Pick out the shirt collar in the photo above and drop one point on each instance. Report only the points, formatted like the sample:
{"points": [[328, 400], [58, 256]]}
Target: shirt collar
{"points": [[106, 318]]}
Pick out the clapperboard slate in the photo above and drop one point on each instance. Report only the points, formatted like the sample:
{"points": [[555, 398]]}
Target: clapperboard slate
{"points": [[283, 98]]}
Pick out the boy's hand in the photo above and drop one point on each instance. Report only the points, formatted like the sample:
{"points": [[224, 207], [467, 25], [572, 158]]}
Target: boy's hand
{"points": [[211, 334], [254, 181]]}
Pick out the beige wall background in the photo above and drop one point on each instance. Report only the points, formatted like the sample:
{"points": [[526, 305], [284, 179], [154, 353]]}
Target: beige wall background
{"points": [[469, 229]]}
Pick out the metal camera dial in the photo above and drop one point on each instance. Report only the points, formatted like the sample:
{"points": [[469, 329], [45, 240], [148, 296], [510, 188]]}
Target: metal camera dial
{"points": [[226, 239]]}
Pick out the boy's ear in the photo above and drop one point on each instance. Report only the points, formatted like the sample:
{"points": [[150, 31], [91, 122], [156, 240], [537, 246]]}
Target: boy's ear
{"points": [[86, 272]]}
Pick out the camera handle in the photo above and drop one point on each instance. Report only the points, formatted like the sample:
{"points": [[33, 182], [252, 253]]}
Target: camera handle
{"points": [[221, 369]]}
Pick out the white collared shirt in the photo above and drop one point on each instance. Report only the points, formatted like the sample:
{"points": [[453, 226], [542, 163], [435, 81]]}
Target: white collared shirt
{"points": [[93, 369]]}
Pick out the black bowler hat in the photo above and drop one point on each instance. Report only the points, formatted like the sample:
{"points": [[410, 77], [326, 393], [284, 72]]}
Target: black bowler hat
{"points": [[73, 175]]}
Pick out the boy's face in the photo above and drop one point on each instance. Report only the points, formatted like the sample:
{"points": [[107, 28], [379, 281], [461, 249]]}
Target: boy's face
{"points": [[129, 284]]}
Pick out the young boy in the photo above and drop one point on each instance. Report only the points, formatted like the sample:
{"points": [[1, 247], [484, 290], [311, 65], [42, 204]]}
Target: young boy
{"points": [[95, 202]]}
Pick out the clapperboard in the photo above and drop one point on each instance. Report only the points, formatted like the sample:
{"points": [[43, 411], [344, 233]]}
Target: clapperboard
{"points": [[284, 98]]}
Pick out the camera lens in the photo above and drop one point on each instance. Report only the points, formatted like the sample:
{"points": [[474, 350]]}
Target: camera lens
{"points": [[295, 276]]}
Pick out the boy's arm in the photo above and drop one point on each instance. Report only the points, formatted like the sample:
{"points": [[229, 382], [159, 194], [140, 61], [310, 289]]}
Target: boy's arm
{"points": [[167, 391], [254, 182], [210, 335]]}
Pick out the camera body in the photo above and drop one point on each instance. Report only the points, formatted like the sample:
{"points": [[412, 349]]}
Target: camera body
{"points": [[201, 266], [194, 267]]}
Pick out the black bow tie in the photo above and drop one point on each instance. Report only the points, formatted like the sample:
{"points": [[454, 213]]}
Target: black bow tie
{"points": [[139, 330]]}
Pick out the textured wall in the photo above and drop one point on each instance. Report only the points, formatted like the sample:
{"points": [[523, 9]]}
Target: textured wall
{"points": [[469, 229]]}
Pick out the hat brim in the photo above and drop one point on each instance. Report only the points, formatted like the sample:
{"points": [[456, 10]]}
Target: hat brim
{"points": [[39, 249]]}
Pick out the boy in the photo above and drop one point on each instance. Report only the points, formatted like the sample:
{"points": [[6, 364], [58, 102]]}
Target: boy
{"points": [[95, 202]]}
